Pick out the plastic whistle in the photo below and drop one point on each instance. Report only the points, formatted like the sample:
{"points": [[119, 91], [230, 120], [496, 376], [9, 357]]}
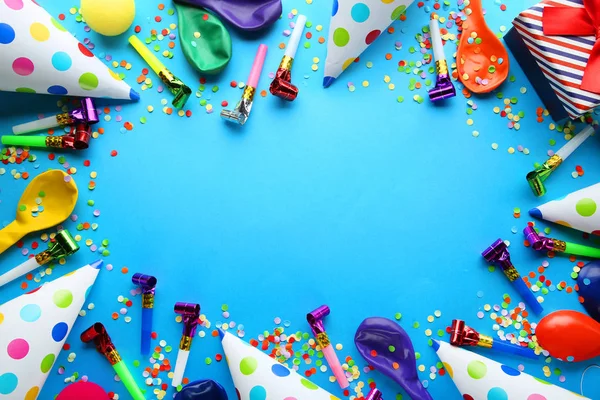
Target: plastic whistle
{"points": [[61, 246], [148, 284], [190, 313], [282, 86], [541, 243], [97, 333], [175, 85], [498, 254], [86, 114], [315, 320], [241, 113], [463, 335], [444, 88], [78, 141], [537, 177]]}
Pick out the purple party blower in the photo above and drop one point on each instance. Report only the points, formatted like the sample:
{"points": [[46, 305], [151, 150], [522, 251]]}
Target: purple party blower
{"points": [[85, 114], [390, 344], [498, 254], [374, 394], [148, 285]]}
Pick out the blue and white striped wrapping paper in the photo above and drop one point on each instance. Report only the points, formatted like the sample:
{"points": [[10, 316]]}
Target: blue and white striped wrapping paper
{"points": [[562, 59]]}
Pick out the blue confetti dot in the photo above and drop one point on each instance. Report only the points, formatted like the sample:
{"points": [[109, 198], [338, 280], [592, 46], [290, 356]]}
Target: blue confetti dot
{"points": [[31, 313], [7, 34], [59, 331], [57, 89], [258, 393], [61, 61], [510, 371], [586, 281], [280, 370], [8, 383], [360, 12], [497, 394]]}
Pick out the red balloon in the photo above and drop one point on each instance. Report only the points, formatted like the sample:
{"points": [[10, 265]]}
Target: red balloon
{"points": [[82, 390], [569, 335]]}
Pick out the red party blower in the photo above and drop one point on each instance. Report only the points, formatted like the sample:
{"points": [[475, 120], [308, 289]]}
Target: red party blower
{"points": [[569, 335]]}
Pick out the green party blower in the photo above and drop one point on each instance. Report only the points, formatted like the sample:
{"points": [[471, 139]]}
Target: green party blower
{"points": [[79, 140], [175, 85], [547, 244], [97, 333]]}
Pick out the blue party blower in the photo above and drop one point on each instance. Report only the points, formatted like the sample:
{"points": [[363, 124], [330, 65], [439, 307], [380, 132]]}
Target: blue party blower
{"points": [[148, 284]]}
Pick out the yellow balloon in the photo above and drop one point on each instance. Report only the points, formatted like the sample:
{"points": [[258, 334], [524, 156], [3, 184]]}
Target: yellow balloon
{"points": [[108, 17]]}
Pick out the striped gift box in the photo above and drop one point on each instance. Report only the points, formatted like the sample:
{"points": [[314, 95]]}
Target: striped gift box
{"points": [[562, 59]]}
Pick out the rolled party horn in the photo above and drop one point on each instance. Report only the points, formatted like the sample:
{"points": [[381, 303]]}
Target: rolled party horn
{"points": [[282, 86], [79, 140], [374, 394], [61, 246], [242, 110], [443, 88], [86, 114], [463, 335], [97, 334], [315, 320], [148, 285], [498, 254], [190, 313], [540, 243], [537, 177], [175, 85]]}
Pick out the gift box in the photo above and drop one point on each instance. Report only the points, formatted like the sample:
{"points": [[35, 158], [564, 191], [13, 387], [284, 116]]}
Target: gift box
{"points": [[555, 44]]}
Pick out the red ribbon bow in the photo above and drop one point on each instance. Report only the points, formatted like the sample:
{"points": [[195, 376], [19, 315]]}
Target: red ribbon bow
{"points": [[569, 21]]}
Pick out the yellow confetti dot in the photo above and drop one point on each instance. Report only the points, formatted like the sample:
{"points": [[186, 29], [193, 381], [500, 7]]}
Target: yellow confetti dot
{"points": [[497, 110], [173, 26], [391, 86], [150, 109], [517, 126], [427, 332], [93, 174], [466, 76], [469, 122], [294, 11], [430, 318], [493, 58], [319, 28], [314, 67], [475, 133], [523, 90], [339, 346], [196, 35], [552, 126], [181, 113], [511, 150], [365, 83], [387, 79], [316, 60]]}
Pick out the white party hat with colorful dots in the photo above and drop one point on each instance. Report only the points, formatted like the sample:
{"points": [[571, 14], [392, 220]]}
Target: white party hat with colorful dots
{"points": [[577, 210], [258, 376], [479, 378], [354, 26], [38, 55], [33, 328]]}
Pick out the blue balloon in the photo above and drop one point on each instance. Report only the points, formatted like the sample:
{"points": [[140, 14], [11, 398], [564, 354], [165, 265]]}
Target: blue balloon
{"points": [[588, 282], [205, 389]]}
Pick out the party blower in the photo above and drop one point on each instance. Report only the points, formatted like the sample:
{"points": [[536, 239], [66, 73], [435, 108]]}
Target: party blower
{"points": [[97, 333], [374, 394], [537, 177], [498, 254], [175, 85], [148, 284], [61, 246], [86, 114], [463, 335], [80, 140], [315, 320], [242, 110], [540, 243], [190, 313], [444, 89], [282, 86]]}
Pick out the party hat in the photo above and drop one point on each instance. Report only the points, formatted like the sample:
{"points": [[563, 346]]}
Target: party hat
{"points": [[478, 377], [354, 26], [258, 376], [33, 328], [576, 210], [40, 56]]}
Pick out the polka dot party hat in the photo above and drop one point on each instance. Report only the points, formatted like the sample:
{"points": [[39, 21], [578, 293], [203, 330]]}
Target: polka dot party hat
{"points": [[40, 56], [355, 24], [479, 378], [577, 210], [259, 377], [33, 328]]}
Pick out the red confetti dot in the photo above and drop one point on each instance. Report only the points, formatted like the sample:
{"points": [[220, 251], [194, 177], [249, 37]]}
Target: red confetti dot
{"points": [[203, 80], [158, 18], [308, 35], [137, 29], [61, 17], [66, 346], [154, 335], [86, 163], [233, 84], [34, 245], [420, 4], [218, 357], [188, 113], [224, 103], [436, 6], [129, 303], [51, 156], [113, 153], [503, 7], [20, 244]]}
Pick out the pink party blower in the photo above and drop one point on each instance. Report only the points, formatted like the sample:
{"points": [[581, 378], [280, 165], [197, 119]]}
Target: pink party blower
{"points": [[242, 110], [315, 320]]}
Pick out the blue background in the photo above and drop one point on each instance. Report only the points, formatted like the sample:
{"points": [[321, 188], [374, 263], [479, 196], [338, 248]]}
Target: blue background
{"points": [[350, 199]]}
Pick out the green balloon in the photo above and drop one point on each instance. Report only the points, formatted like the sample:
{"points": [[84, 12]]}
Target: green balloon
{"points": [[211, 51]]}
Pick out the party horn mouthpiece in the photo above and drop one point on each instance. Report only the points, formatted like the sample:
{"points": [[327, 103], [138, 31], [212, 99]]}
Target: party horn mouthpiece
{"points": [[497, 252], [97, 334], [147, 282], [62, 245], [374, 394], [537, 177], [190, 313], [177, 88], [315, 319], [241, 113], [86, 114]]}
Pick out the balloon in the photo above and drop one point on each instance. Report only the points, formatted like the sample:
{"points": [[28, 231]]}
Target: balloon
{"points": [[108, 17], [82, 390], [387, 347], [569, 335], [205, 389], [588, 283]]}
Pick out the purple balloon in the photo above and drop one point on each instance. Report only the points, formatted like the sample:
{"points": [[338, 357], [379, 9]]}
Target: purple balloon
{"points": [[379, 334], [247, 15], [588, 283]]}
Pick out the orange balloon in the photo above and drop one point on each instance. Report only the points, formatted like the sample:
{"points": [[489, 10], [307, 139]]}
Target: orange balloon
{"points": [[569, 335]]}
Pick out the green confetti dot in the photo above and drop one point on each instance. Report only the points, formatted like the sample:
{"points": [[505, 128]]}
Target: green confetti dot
{"points": [[491, 268], [208, 361], [440, 332], [22, 207], [225, 307], [105, 242], [106, 253], [215, 89], [42, 194], [552, 142], [416, 324], [417, 355], [307, 45], [168, 349], [90, 203], [398, 316], [400, 99], [136, 363], [391, 348], [61, 159]]}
